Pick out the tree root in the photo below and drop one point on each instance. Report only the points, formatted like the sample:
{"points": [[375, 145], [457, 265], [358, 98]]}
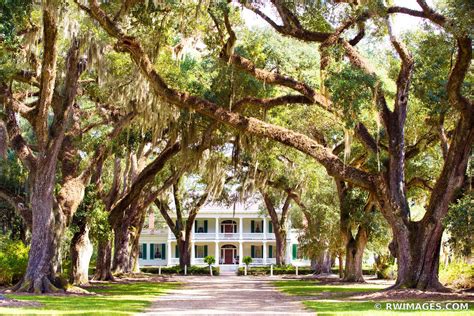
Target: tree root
{"points": [[37, 286]]}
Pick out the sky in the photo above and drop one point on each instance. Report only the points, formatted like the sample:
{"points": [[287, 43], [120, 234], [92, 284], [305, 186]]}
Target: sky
{"points": [[401, 22]]}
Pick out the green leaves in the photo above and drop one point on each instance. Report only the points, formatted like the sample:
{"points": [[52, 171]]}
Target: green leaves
{"points": [[351, 91]]}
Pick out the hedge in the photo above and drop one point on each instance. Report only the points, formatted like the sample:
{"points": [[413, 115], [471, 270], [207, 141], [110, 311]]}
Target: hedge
{"points": [[192, 270], [365, 271], [276, 270]]}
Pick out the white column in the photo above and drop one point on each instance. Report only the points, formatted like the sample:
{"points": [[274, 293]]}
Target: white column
{"points": [[193, 254], [168, 257], [289, 251], [217, 228], [264, 228], [217, 253], [241, 228], [264, 252], [241, 252]]}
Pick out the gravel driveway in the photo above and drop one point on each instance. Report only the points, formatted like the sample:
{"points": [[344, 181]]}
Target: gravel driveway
{"points": [[226, 295]]}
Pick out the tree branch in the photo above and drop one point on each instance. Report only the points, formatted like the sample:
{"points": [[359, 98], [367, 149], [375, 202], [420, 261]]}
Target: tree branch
{"points": [[48, 71], [332, 163]]}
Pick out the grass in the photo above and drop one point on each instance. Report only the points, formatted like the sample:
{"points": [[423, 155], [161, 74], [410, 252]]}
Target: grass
{"points": [[314, 288], [112, 299], [335, 300]]}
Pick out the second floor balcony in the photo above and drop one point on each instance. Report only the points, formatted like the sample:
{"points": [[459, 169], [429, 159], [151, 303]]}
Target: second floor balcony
{"points": [[231, 229]]}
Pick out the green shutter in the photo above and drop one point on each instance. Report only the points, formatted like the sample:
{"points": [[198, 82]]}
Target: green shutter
{"points": [[270, 251], [152, 251], [205, 251], [163, 251], [144, 251], [270, 227], [195, 251], [205, 226], [176, 250], [295, 251], [262, 228], [252, 251], [252, 226], [196, 226], [261, 250]]}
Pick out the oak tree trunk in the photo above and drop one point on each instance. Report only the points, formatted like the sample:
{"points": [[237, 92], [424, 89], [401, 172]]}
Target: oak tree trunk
{"points": [[354, 254], [81, 253], [280, 246], [103, 267], [40, 272], [322, 264]]}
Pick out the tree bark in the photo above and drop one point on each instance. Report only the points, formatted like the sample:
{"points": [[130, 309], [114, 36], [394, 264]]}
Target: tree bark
{"points": [[103, 267], [322, 264], [81, 253], [354, 253], [40, 272]]}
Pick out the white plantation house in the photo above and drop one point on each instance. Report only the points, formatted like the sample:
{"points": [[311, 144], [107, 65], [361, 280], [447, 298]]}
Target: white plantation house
{"points": [[227, 234]]}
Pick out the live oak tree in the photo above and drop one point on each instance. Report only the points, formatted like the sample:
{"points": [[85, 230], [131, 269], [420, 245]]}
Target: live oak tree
{"points": [[417, 243]]}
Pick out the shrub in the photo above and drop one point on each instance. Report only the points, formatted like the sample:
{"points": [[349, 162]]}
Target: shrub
{"points": [[13, 261], [209, 260], [277, 270], [247, 260], [457, 274], [192, 270]]}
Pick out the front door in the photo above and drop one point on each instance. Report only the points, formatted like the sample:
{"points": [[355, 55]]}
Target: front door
{"points": [[228, 256]]}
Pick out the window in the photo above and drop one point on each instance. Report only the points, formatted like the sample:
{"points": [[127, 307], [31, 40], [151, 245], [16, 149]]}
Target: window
{"points": [[271, 253], [256, 226], [256, 251], [297, 252], [200, 251], [200, 226], [158, 251], [228, 226], [142, 251]]}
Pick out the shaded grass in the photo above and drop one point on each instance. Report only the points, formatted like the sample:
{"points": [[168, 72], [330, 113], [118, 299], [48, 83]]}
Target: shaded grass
{"points": [[112, 299]]}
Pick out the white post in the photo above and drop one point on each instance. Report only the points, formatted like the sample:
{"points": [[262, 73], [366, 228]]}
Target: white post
{"points": [[159, 270], [271, 270], [296, 270], [241, 253], [245, 269], [241, 228], [264, 252], [217, 228], [217, 253], [168, 257], [264, 228], [186, 269], [193, 253]]}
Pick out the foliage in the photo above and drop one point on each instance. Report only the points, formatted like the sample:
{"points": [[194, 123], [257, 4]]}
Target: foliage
{"points": [[385, 266], [210, 260], [247, 260], [113, 299], [13, 260], [277, 270], [192, 270], [457, 274], [460, 226]]}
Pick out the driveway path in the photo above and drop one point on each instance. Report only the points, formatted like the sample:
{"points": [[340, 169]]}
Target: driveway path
{"points": [[226, 295]]}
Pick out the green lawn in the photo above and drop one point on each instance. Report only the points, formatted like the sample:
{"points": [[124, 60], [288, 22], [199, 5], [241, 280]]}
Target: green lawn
{"points": [[111, 299], [336, 300], [314, 288]]}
